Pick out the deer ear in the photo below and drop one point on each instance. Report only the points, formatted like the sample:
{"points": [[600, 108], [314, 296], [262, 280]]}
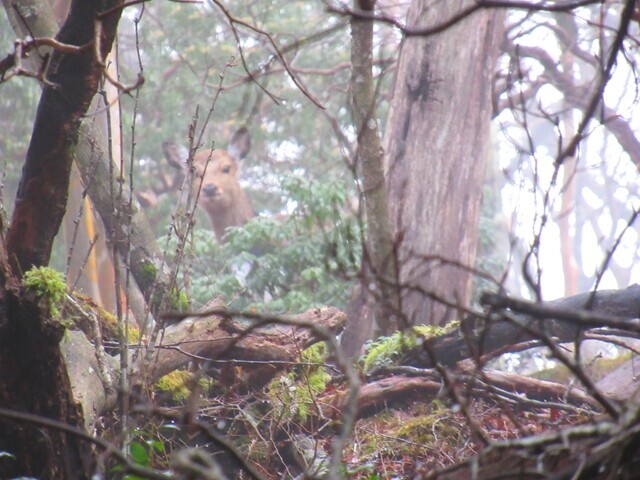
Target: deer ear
{"points": [[176, 155], [240, 144]]}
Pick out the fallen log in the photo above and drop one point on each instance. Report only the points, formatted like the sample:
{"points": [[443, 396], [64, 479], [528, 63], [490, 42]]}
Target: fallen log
{"points": [[510, 322], [220, 338]]}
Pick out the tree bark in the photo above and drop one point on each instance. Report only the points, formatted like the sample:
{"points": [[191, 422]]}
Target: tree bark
{"points": [[33, 376], [372, 310], [33, 379], [380, 394], [146, 259], [437, 142], [563, 320], [214, 337], [44, 186]]}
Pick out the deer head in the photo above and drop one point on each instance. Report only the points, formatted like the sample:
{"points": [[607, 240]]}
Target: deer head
{"points": [[221, 195]]}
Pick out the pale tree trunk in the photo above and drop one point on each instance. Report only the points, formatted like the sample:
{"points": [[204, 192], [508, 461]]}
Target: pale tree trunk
{"points": [[374, 305], [437, 143], [570, 263]]}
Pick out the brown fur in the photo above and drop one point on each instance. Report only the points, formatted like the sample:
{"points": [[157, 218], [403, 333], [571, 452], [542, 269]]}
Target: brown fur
{"points": [[221, 195]]}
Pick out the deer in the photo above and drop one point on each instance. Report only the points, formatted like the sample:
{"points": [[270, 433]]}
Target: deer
{"points": [[221, 195]]}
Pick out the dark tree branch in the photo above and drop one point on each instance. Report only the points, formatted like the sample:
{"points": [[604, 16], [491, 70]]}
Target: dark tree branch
{"points": [[461, 15], [561, 319]]}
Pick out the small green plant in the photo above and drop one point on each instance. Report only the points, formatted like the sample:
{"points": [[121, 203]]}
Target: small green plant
{"points": [[149, 273], [384, 351], [48, 284], [145, 450], [296, 391], [178, 301], [177, 384]]}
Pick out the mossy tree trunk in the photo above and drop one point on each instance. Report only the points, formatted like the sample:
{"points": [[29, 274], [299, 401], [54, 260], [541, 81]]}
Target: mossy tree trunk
{"points": [[33, 376]]}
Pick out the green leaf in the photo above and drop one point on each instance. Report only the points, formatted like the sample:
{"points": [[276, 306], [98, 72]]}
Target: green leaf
{"points": [[157, 445], [139, 454]]}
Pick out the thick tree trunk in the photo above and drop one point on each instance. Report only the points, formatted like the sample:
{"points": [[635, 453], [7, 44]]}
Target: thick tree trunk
{"points": [[33, 376], [44, 186], [33, 380], [437, 142]]}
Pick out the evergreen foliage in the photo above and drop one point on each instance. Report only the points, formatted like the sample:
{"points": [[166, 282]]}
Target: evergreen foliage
{"points": [[291, 264]]}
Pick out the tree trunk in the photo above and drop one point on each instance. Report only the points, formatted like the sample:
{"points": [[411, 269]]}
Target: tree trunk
{"points": [[44, 186], [378, 280], [34, 382], [437, 143]]}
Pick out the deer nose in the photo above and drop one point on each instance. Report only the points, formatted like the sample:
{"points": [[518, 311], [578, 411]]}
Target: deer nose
{"points": [[210, 190]]}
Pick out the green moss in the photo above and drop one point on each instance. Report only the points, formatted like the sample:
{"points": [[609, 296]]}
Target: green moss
{"points": [[430, 331], [316, 353], [108, 324], [179, 383], [108, 321], [149, 273], [296, 391], [428, 430], [176, 384], [49, 285], [178, 301], [384, 351], [417, 432]]}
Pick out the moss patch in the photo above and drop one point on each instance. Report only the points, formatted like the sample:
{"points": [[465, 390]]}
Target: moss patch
{"points": [[49, 285], [177, 384], [384, 351], [295, 392]]}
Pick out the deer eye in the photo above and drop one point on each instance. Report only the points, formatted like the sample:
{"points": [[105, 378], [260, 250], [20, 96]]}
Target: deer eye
{"points": [[226, 169]]}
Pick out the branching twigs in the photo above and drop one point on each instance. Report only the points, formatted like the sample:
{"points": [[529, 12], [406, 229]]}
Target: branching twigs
{"points": [[562, 319], [85, 260], [74, 236], [573, 366], [294, 78], [101, 355], [577, 96], [583, 97], [590, 111], [460, 16], [12, 66], [191, 198], [266, 68], [105, 71], [608, 257], [581, 319], [208, 431]]}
